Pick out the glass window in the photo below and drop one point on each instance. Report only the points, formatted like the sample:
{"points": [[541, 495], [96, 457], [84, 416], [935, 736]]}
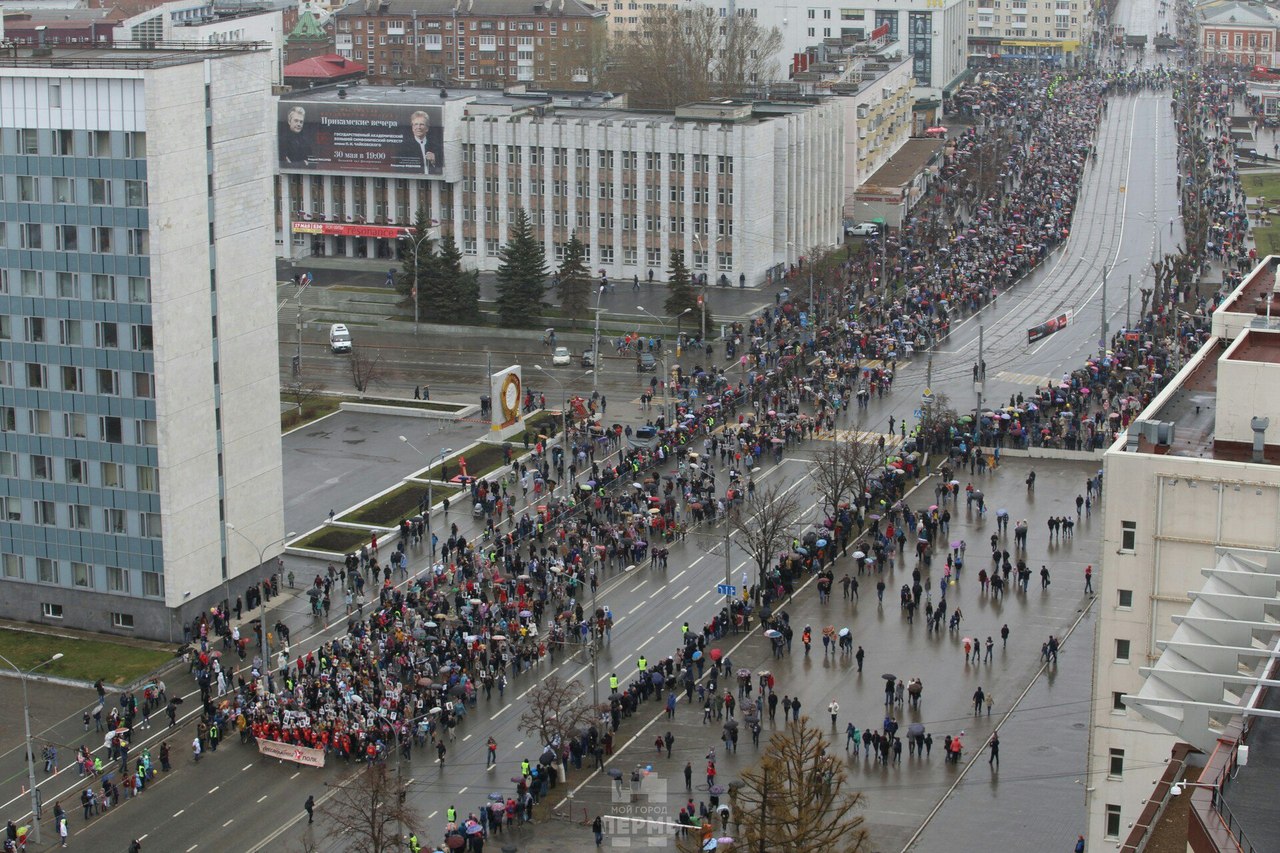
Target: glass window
{"points": [[99, 191], [12, 564], [111, 429], [146, 433], [1124, 598], [69, 333], [1117, 701], [139, 289], [72, 378], [122, 620], [1128, 536], [144, 385], [104, 286], [10, 509], [1113, 821], [77, 471], [27, 188], [41, 467], [35, 330], [117, 579], [151, 525], [106, 335], [81, 518], [37, 375], [46, 513], [50, 610], [41, 422], [64, 190], [67, 286], [76, 425], [108, 382], [142, 338], [8, 463], [135, 193], [82, 575], [112, 475], [1122, 650]]}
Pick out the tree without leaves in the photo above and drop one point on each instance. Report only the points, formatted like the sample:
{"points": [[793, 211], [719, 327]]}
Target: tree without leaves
{"points": [[300, 393], [676, 58], [834, 475], [796, 798], [765, 522], [367, 368], [556, 711], [369, 809], [522, 275], [574, 281]]}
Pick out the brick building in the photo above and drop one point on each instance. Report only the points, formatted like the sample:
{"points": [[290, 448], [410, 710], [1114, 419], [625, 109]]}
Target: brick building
{"points": [[556, 44], [1238, 32]]}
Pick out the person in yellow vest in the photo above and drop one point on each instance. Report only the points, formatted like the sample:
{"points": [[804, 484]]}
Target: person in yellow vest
{"points": [[613, 683], [642, 663], [684, 630]]}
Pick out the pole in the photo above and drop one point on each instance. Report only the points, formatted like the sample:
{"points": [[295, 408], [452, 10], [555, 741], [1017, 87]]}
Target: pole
{"points": [[595, 652], [31, 763], [1128, 300], [416, 244], [595, 344], [297, 352], [1102, 341], [266, 634], [982, 379], [728, 574]]}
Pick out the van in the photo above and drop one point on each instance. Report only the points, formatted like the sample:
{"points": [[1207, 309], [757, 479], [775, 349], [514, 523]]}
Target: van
{"points": [[339, 338]]}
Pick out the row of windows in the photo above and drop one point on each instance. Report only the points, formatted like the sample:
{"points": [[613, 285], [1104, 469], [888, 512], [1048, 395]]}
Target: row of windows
{"points": [[569, 189], [81, 517], [49, 610], [602, 158], [69, 285], [77, 191], [98, 239], [606, 254], [80, 575], [79, 472], [110, 428], [1215, 39], [394, 26], [107, 381], [131, 145], [106, 335]]}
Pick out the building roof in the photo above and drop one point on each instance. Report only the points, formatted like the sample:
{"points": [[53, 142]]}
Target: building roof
{"points": [[325, 67], [308, 29], [1240, 13], [472, 8], [903, 166], [125, 56]]}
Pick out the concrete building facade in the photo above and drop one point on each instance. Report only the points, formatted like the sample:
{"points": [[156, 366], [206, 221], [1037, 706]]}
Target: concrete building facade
{"points": [[1045, 30], [139, 385], [1182, 485], [743, 188]]}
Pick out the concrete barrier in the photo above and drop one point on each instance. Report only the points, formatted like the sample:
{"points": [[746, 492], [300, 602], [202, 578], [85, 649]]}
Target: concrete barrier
{"points": [[1051, 453], [408, 411]]}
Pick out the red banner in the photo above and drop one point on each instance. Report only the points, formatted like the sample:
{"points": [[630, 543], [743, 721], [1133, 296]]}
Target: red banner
{"points": [[1048, 327], [290, 752], [339, 229], [880, 32]]}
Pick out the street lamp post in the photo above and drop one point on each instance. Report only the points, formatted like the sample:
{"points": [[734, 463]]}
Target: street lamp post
{"points": [[1102, 341], [262, 603], [564, 427], [439, 457], [31, 760], [417, 242], [666, 377]]}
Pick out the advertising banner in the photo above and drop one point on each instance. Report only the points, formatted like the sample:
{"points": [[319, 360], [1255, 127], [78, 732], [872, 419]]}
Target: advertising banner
{"points": [[339, 229], [507, 394], [289, 752], [384, 139], [1048, 327]]}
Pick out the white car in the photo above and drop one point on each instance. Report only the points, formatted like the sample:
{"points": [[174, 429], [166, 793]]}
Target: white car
{"points": [[561, 356], [339, 338], [863, 229]]}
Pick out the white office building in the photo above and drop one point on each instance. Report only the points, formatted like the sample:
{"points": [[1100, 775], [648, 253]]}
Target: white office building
{"points": [[139, 378], [1196, 478], [742, 188]]}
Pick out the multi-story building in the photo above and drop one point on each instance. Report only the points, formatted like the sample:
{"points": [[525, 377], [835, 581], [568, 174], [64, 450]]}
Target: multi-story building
{"points": [[626, 16], [139, 384], [1195, 476], [1051, 31], [558, 44], [741, 187], [201, 22], [874, 83], [932, 32], [55, 26], [1238, 32]]}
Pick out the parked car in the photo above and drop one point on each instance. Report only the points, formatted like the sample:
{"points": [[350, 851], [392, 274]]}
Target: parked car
{"points": [[863, 229], [588, 358], [560, 356], [339, 338], [646, 363]]}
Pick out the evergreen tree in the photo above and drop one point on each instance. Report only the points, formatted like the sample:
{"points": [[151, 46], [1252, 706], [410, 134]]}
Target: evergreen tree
{"points": [[522, 275], [574, 281], [460, 289], [426, 263]]}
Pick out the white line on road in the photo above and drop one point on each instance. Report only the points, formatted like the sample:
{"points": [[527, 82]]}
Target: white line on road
{"points": [[246, 767], [676, 576], [648, 641], [699, 598], [500, 710], [467, 738], [681, 592], [214, 788], [295, 775], [432, 816], [517, 746], [618, 621], [462, 790], [664, 627], [263, 797], [655, 592], [192, 847], [228, 823], [683, 612], [178, 812]]}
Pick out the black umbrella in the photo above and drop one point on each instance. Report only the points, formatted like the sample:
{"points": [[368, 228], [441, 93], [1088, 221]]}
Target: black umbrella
{"points": [[888, 676], [314, 592], [615, 773]]}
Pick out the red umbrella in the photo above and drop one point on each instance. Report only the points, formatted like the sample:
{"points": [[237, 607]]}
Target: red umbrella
{"points": [[716, 654]]}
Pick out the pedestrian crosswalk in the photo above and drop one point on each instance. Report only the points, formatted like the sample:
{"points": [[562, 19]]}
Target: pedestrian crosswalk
{"points": [[1023, 378]]}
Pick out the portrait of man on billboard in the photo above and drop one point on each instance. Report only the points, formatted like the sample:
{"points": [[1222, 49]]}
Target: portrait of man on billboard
{"points": [[295, 139], [425, 145]]}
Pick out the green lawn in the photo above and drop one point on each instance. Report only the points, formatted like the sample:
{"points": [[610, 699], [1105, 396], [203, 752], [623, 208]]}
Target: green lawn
{"points": [[399, 503], [481, 460], [87, 660], [339, 540], [1266, 185]]}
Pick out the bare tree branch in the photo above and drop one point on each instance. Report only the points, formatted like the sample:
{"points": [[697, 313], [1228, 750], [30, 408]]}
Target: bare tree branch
{"points": [[369, 810], [765, 523], [300, 393], [556, 711], [367, 368]]}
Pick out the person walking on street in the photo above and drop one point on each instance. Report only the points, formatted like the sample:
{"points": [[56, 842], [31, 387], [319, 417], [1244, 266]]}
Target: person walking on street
{"points": [[310, 806], [978, 698], [597, 828], [1079, 844], [833, 709], [994, 746], [1088, 579]]}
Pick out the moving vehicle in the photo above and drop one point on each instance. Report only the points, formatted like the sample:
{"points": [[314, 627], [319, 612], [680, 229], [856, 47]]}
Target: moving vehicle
{"points": [[646, 363], [863, 229], [588, 358], [339, 338], [561, 356]]}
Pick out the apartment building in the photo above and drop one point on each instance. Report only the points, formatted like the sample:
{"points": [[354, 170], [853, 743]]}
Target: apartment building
{"points": [[1238, 32], [139, 383], [1051, 31], [743, 188], [558, 44], [1194, 478]]}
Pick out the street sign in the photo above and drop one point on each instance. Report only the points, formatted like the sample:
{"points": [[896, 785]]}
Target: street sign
{"points": [[726, 589], [918, 413]]}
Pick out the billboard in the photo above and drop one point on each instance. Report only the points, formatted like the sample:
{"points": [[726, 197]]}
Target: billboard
{"points": [[339, 229], [1048, 327], [384, 139]]}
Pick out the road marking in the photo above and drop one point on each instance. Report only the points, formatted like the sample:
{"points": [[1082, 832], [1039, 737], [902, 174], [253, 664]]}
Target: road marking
{"points": [[681, 592], [655, 592], [246, 767], [517, 746], [178, 812], [462, 790], [192, 847], [704, 595], [660, 630], [228, 823], [295, 775], [676, 577], [648, 641], [467, 738], [214, 788], [618, 621], [432, 816], [683, 612], [263, 797], [143, 837], [499, 713]]}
